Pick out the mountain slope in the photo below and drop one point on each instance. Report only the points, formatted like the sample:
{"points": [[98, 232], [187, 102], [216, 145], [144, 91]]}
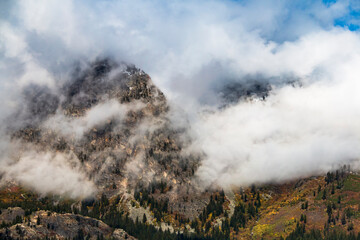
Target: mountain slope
{"points": [[101, 153]]}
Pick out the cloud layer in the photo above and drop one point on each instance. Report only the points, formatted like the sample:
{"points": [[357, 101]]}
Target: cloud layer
{"points": [[193, 49]]}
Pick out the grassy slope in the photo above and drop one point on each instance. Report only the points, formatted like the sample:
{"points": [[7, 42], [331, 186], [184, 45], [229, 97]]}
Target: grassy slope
{"points": [[279, 214]]}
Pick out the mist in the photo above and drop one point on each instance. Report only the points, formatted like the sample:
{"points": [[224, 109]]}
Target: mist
{"points": [[306, 125], [76, 127], [50, 173]]}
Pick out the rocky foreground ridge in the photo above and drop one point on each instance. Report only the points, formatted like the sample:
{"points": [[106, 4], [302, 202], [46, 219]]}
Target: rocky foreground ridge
{"points": [[42, 224]]}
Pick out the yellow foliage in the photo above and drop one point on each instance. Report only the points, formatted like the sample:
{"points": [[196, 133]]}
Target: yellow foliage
{"points": [[260, 229], [273, 212], [209, 217], [289, 222]]}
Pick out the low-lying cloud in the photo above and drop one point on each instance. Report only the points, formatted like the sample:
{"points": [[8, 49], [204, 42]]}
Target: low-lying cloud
{"points": [[296, 132], [48, 172]]}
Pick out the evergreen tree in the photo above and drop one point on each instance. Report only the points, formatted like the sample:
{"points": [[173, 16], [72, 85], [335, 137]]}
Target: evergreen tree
{"points": [[324, 194], [144, 218]]}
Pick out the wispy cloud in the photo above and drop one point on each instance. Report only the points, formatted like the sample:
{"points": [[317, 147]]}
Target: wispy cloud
{"points": [[194, 48]]}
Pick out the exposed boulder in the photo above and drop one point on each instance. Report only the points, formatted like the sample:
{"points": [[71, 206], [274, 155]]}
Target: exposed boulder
{"points": [[42, 224]]}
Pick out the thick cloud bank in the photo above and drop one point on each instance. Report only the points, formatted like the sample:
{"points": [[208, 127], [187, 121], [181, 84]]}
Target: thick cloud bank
{"points": [[192, 50], [297, 131]]}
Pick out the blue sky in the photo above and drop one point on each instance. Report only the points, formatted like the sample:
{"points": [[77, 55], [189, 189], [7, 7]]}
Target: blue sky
{"points": [[348, 11], [351, 20]]}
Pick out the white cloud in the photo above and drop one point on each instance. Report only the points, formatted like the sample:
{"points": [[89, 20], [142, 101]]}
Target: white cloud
{"points": [[48, 172], [193, 48], [296, 132]]}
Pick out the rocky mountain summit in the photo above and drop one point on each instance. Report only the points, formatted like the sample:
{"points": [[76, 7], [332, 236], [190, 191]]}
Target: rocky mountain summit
{"points": [[114, 121], [111, 124]]}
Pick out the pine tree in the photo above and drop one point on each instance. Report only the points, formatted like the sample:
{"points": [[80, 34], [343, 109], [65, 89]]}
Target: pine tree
{"points": [[144, 218], [324, 194], [343, 220]]}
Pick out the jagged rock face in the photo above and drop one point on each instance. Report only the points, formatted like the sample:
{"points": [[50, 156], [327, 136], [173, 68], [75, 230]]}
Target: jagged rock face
{"points": [[106, 79], [235, 92], [43, 224], [41, 102], [130, 148]]}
